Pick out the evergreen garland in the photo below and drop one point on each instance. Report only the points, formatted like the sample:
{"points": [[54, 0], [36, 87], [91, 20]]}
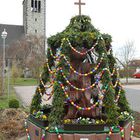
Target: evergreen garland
{"points": [[36, 101]]}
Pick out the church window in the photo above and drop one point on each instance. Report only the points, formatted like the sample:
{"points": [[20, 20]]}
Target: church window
{"points": [[36, 6], [32, 3], [35, 19], [39, 6], [35, 31]]}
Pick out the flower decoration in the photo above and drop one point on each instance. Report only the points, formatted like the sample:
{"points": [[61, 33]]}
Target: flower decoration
{"points": [[40, 115]]}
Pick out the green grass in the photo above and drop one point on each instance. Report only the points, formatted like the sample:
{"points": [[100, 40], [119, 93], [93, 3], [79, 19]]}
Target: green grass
{"points": [[4, 98], [24, 82], [3, 102]]}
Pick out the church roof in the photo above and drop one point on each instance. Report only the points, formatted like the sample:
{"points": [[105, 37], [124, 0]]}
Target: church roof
{"points": [[15, 32]]}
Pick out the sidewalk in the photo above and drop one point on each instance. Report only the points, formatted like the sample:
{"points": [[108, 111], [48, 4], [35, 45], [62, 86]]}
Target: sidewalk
{"points": [[134, 138], [136, 86], [132, 81], [26, 93]]}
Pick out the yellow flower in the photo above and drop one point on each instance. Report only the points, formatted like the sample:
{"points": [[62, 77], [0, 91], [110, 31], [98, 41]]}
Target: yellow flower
{"points": [[97, 122], [67, 121], [44, 117]]}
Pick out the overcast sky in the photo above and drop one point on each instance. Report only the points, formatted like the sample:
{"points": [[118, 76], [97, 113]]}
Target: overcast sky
{"points": [[119, 18]]}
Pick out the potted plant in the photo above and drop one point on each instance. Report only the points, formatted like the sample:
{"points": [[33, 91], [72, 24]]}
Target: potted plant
{"points": [[84, 124], [39, 118]]}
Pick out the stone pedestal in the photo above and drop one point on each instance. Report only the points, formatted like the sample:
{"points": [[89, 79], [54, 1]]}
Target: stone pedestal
{"points": [[36, 134]]}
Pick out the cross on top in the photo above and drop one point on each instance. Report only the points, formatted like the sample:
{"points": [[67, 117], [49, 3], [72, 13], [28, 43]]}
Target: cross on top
{"points": [[80, 4]]}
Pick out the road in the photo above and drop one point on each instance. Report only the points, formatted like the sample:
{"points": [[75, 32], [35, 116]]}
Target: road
{"points": [[133, 96]]}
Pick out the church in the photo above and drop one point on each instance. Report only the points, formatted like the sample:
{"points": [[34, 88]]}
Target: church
{"points": [[34, 22]]}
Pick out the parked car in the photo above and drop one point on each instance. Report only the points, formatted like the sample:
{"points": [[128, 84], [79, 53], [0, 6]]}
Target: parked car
{"points": [[136, 75]]}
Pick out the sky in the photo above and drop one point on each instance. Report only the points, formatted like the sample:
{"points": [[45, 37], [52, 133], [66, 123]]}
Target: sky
{"points": [[119, 18]]}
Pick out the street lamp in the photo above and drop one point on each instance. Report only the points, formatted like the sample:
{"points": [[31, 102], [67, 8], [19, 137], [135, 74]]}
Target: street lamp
{"points": [[3, 35]]}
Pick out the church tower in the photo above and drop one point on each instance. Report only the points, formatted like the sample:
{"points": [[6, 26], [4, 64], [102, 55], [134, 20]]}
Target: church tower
{"points": [[34, 17]]}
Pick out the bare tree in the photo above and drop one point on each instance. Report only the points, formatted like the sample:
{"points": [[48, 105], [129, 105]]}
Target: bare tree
{"points": [[126, 55], [29, 52]]}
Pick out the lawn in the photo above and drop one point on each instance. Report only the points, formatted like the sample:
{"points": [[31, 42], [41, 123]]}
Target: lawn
{"points": [[24, 82], [4, 98]]}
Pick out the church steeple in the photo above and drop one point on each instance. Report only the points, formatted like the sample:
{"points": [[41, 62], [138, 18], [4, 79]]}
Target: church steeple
{"points": [[34, 17]]}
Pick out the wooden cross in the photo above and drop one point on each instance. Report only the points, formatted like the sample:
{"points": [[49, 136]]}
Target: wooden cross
{"points": [[80, 4]]}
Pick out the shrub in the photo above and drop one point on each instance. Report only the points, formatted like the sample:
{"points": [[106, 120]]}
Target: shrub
{"points": [[13, 103]]}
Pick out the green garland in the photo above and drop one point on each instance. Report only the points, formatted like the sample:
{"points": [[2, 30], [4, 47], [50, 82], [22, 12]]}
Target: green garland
{"points": [[57, 112], [122, 102], [36, 101]]}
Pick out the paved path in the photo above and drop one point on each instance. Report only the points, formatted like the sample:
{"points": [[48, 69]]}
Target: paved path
{"points": [[25, 94]]}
